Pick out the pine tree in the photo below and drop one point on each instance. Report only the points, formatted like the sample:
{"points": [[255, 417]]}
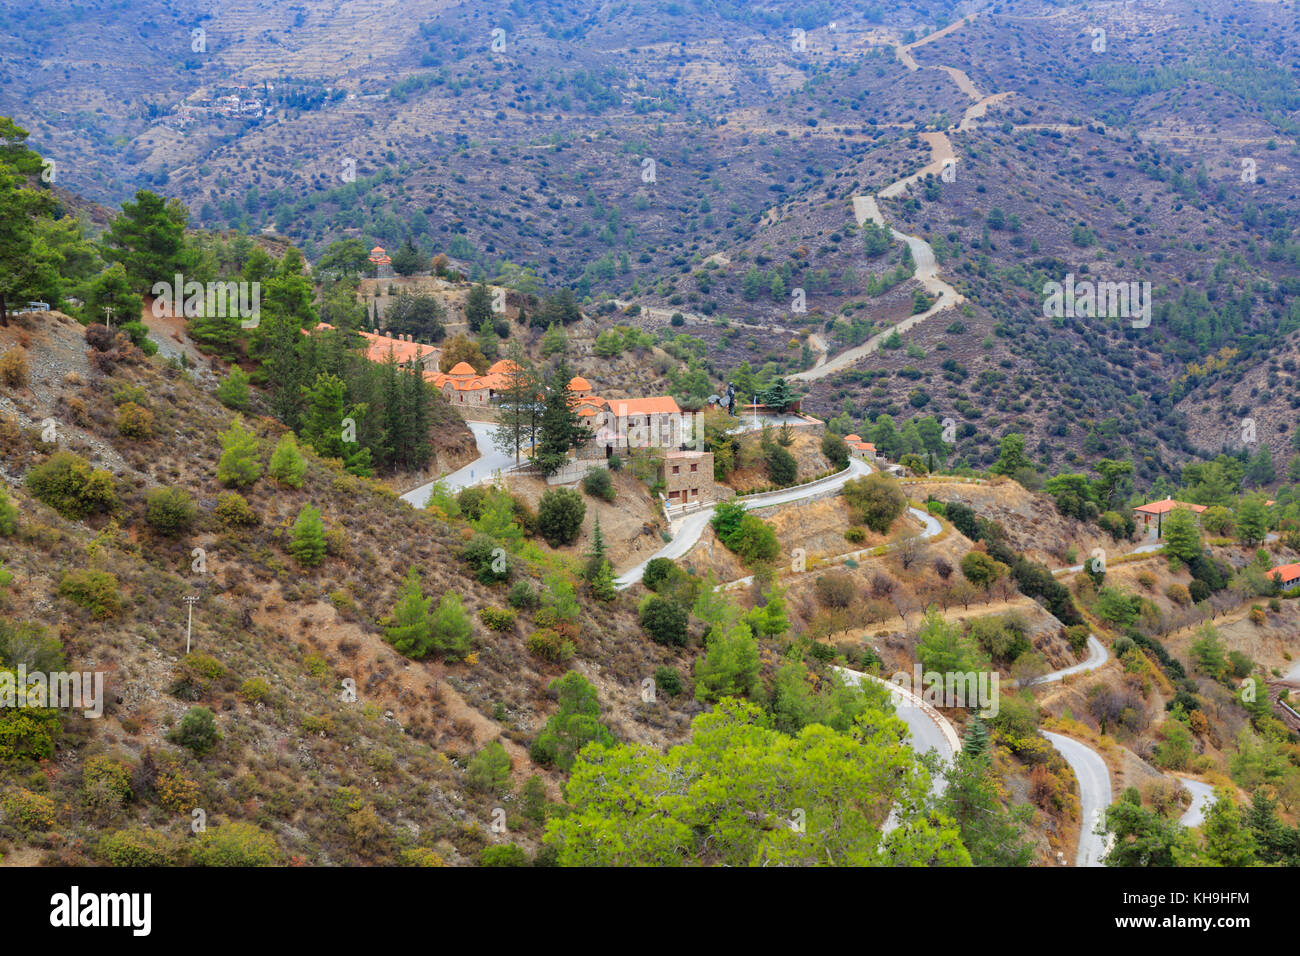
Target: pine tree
{"points": [[976, 741], [239, 464], [478, 306], [234, 392], [287, 464], [452, 628], [596, 557], [409, 629], [1182, 537], [8, 515], [602, 584], [487, 340], [561, 428], [517, 417], [308, 541]]}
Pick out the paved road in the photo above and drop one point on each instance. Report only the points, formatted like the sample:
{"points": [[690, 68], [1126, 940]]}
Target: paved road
{"points": [[1202, 797], [489, 464], [930, 729], [1097, 655], [1140, 549], [1094, 795], [688, 529]]}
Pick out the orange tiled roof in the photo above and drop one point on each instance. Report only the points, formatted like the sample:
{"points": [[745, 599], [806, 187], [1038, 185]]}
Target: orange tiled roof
{"points": [[658, 405], [1287, 571], [853, 438], [462, 368], [378, 347], [579, 384], [1164, 507]]}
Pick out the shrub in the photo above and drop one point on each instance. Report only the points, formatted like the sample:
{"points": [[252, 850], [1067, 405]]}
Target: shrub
{"points": [[240, 464], [233, 510], [287, 464], [233, 391], [68, 484], [234, 844], [96, 591], [421, 856], [598, 483], [27, 732], [559, 516], [855, 536], [836, 450], [875, 501], [169, 511], [835, 589], [8, 516], [756, 541], [657, 571], [523, 596], [550, 646], [489, 771], [489, 560], [781, 466], [138, 846], [496, 618], [27, 810], [135, 421], [668, 681], [1178, 593], [197, 731], [103, 773], [13, 367], [664, 620], [255, 690], [502, 854], [308, 541]]}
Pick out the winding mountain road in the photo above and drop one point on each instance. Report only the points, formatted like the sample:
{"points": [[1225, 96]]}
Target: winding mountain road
{"points": [[485, 467], [1094, 795]]}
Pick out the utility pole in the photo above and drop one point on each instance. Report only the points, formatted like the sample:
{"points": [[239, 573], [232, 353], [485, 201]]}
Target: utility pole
{"points": [[108, 314], [191, 600]]}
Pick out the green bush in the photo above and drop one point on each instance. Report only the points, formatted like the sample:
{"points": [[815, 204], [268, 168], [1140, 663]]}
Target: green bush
{"points": [[550, 646], [197, 731], [668, 681], [559, 516], [658, 571], [255, 690], [233, 392], [875, 501], [68, 484], [523, 596], [598, 483], [27, 732], [103, 774], [138, 846], [234, 511], [664, 620], [234, 844], [169, 511], [489, 771], [134, 421], [8, 516], [96, 591], [307, 543], [240, 463], [287, 464], [28, 811], [502, 854], [496, 618]]}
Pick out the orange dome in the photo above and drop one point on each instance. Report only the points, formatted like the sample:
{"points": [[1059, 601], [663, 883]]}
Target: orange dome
{"points": [[853, 438], [579, 384], [462, 368]]}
